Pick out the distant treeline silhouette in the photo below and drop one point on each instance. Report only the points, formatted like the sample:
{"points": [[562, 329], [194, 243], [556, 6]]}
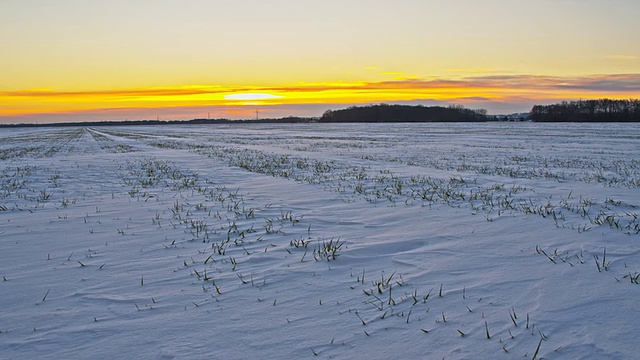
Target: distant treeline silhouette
{"points": [[602, 110], [404, 113]]}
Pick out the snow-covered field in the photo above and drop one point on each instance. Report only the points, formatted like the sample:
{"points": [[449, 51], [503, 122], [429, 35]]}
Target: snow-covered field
{"points": [[455, 241]]}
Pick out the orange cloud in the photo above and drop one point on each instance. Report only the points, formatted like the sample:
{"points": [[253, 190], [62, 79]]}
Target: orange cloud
{"points": [[180, 91], [523, 90]]}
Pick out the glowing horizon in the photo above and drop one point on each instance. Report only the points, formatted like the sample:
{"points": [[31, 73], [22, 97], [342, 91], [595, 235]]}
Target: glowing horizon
{"points": [[198, 58]]}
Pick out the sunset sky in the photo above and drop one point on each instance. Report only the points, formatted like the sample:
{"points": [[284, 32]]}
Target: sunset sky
{"points": [[74, 60]]}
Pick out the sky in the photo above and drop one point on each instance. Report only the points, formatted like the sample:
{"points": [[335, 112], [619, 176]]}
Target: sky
{"points": [[75, 60]]}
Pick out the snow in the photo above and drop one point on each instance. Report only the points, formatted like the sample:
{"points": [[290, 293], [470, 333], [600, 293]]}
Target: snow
{"points": [[496, 240]]}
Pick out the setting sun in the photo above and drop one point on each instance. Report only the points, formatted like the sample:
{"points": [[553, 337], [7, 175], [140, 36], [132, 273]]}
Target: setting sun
{"points": [[251, 96]]}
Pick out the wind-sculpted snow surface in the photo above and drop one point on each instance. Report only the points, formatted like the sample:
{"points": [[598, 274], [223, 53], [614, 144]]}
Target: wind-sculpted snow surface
{"points": [[434, 241]]}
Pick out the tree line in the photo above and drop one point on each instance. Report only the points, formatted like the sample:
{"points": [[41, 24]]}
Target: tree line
{"points": [[601, 110], [404, 113]]}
